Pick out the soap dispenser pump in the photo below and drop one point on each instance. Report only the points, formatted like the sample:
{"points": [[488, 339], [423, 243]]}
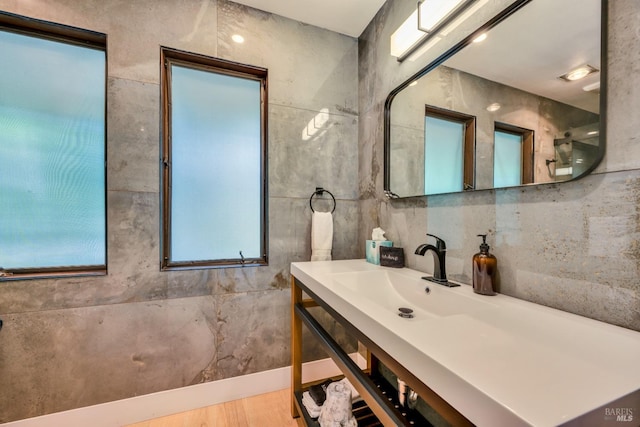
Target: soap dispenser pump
{"points": [[484, 270]]}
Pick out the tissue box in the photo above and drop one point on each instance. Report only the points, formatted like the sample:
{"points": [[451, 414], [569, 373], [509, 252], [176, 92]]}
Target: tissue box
{"points": [[373, 250]]}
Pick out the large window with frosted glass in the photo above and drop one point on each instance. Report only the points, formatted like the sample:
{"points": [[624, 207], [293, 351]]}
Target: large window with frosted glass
{"points": [[52, 150], [214, 162]]}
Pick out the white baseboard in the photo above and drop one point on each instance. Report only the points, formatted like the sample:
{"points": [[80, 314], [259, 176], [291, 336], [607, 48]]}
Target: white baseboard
{"points": [[140, 408]]}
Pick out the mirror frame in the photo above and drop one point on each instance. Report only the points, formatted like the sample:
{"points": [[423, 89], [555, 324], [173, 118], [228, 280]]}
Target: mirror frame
{"points": [[503, 15]]}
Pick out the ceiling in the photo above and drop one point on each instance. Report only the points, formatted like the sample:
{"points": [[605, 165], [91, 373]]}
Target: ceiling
{"points": [[524, 50], [348, 17], [536, 45]]}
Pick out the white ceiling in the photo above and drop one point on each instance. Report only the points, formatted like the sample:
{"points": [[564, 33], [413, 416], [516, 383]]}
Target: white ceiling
{"points": [[524, 50], [348, 17], [536, 45]]}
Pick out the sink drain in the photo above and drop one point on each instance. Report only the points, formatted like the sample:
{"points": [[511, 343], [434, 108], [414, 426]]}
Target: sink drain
{"points": [[405, 312]]}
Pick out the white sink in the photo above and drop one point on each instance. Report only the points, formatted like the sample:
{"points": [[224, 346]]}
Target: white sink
{"points": [[391, 290], [493, 358]]}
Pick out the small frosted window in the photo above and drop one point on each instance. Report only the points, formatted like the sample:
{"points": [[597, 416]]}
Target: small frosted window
{"points": [[52, 155], [507, 159], [216, 200], [444, 142]]}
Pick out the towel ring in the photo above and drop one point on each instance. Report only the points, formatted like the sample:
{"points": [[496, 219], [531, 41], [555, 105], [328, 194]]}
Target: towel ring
{"points": [[319, 192]]}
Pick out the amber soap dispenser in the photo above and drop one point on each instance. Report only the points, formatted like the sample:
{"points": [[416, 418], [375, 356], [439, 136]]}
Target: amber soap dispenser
{"points": [[484, 270]]}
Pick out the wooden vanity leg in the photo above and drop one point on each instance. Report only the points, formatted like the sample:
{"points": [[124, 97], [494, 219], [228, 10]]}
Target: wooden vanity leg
{"points": [[296, 347], [372, 363]]}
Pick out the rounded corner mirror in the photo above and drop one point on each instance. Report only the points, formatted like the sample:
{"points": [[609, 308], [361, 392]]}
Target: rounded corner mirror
{"points": [[524, 106]]}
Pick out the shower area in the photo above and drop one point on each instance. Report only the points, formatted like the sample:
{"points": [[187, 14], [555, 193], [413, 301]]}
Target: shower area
{"points": [[576, 150]]}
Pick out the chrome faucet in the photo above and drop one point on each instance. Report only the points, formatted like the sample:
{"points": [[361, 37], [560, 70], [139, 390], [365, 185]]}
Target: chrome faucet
{"points": [[439, 251]]}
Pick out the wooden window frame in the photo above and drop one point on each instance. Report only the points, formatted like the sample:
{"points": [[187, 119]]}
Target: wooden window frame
{"points": [[528, 138], [83, 38], [205, 63], [469, 143]]}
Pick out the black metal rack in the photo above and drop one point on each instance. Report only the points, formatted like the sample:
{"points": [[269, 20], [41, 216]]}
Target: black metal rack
{"points": [[364, 415]]}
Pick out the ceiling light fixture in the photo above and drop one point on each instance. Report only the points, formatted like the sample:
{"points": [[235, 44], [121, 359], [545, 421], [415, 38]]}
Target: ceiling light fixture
{"points": [[432, 13], [237, 38], [578, 73], [406, 37], [430, 17]]}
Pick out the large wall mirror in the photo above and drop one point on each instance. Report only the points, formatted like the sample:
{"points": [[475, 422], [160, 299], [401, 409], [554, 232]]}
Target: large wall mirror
{"points": [[523, 106]]}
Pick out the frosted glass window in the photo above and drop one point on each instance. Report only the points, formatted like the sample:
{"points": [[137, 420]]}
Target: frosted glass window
{"points": [[216, 197], [443, 145], [52, 155], [507, 159]]}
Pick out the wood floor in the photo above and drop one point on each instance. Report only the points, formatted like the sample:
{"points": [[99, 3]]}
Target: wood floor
{"points": [[265, 410]]}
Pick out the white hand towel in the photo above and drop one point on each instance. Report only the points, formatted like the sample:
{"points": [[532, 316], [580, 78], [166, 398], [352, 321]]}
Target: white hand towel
{"points": [[321, 236]]}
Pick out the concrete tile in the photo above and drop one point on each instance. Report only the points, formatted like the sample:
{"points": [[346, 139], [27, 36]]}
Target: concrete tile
{"points": [[295, 168], [134, 248], [623, 147], [63, 359], [252, 332], [309, 67], [133, 112], [251, 324]]}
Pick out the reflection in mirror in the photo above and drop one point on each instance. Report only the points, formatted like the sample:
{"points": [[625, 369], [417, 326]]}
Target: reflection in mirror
{"points": [[513, 109]]}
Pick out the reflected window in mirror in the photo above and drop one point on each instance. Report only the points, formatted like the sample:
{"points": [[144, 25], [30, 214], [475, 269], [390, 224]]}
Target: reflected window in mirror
{"points": [[449, 137], [513, 156]]}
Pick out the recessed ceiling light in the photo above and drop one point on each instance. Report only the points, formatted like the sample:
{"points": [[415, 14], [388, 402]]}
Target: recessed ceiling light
{"points": [[413, 83], [493, 107], [482, 37], [578, 73], [237, 38]]}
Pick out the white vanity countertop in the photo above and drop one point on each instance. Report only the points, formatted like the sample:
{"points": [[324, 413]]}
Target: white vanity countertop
{"points": [[500, 361]]}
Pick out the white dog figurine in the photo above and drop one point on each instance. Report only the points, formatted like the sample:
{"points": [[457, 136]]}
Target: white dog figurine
{"points": [[336, 411]]}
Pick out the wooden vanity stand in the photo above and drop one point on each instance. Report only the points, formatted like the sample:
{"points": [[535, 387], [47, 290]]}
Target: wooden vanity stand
{"points": [[378, 407]]}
